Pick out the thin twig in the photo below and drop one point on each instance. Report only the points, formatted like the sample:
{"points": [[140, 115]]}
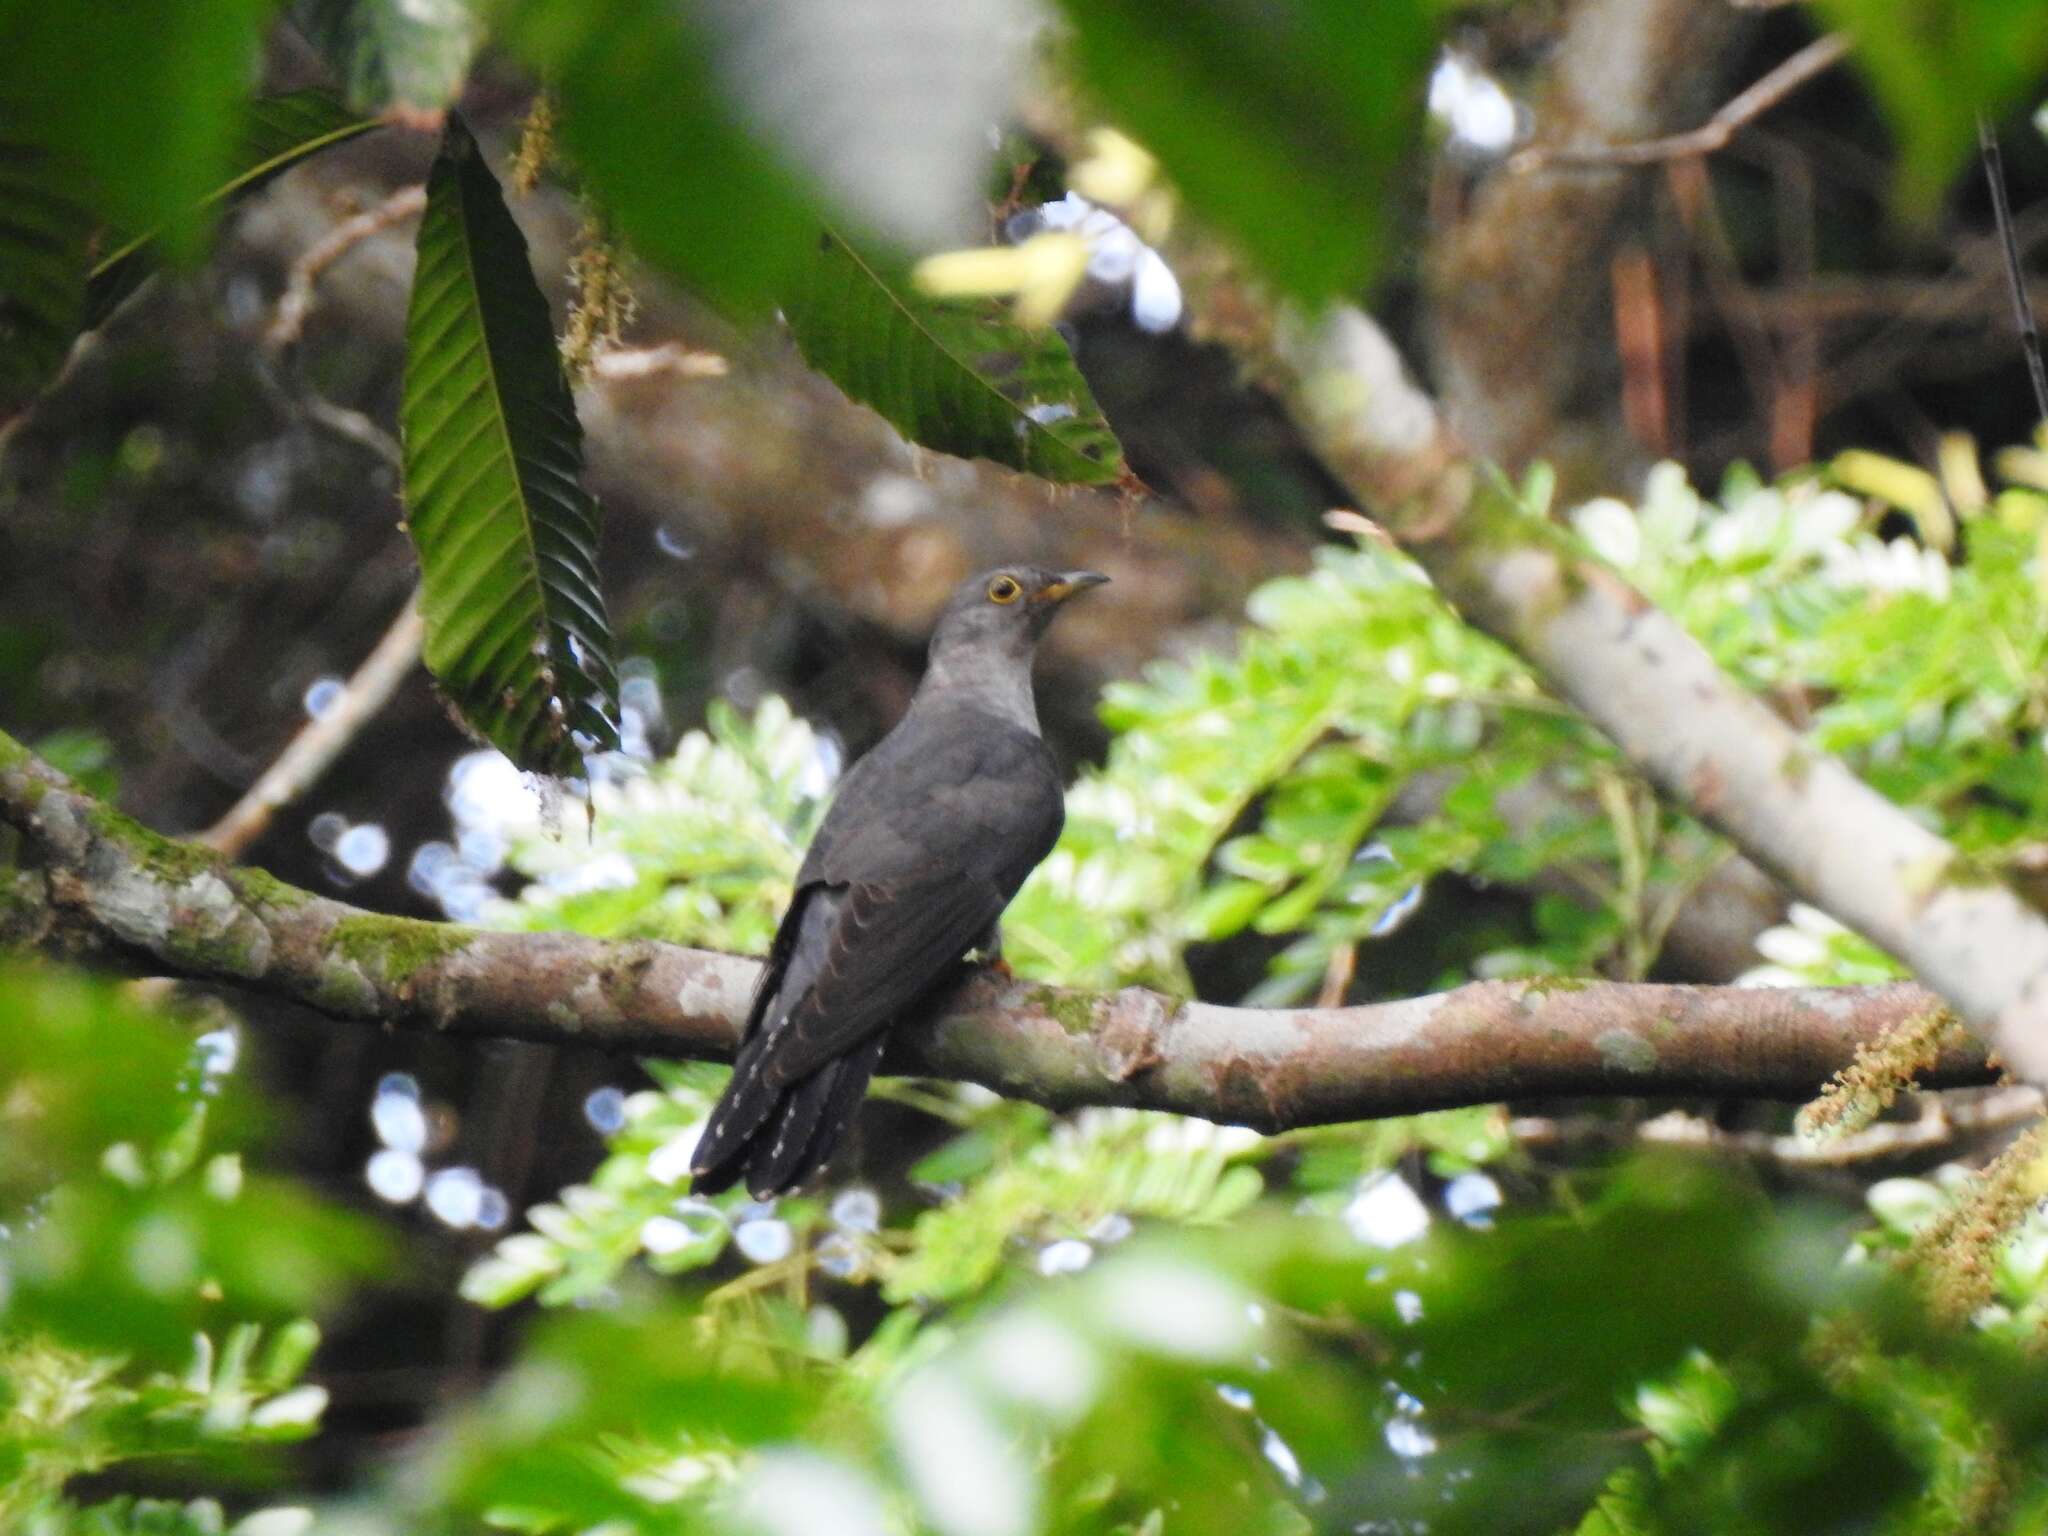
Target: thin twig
{"points": [[296, 302], [1816, 57], [1940, 1124], [352, 426], [321, 740], [2015, 274]]}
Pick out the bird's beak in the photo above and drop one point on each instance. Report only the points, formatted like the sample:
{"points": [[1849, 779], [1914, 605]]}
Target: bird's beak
{"points": [[1067, 583]]}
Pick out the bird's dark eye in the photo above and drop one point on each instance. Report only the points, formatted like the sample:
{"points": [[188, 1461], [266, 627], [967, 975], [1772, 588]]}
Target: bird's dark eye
{"points": [[1003, 589]]}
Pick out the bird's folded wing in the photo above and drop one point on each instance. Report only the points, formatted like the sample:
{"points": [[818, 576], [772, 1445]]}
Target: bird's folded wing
{"points": [[887, 946]]}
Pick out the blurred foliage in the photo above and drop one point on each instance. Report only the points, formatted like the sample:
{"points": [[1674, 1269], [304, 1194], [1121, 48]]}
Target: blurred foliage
{"points": [[1284, 132], [403, 53], [56, 276], [274, 133], [153, 1293], [1936, 65], [144, 114], [655, 138], [1290, 1375]]}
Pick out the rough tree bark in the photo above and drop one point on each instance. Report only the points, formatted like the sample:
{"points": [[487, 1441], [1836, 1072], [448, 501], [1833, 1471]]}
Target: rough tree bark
{"points": [[82, 881]]}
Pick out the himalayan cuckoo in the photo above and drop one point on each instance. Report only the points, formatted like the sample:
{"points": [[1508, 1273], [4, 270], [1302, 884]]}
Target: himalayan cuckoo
{"points": [[926, 842]]}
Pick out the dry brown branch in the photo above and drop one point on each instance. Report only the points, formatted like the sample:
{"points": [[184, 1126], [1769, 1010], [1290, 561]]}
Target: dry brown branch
{"points": [[87, 883], [1818, 56], [321, 740], [296, 302]]}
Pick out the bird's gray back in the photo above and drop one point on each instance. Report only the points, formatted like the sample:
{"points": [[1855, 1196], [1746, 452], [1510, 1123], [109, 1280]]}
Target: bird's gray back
{"points": [[953, 791]]}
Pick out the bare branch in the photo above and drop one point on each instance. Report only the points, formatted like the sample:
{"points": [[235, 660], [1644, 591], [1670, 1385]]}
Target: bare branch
{"points": [[296, 302], [88, 882], [323, 739], [1818, 56]]}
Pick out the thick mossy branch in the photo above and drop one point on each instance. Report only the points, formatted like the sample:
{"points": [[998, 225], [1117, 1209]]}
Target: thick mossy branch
{"points": [[82, 881]]}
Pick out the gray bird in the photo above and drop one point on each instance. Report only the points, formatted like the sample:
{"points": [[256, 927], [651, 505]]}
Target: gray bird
{"points": [[928, 839]]}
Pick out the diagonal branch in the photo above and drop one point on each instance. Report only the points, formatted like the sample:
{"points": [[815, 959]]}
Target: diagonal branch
{"points": [[321, 740], [1737, 113], [1636, 674], [81, 880]]}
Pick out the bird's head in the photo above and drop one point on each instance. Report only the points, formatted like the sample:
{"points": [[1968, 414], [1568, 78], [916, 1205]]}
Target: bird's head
{"points": [[1004, 611]]}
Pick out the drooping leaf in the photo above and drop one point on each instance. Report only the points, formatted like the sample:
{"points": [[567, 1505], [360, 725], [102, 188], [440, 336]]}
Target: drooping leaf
{"points": [[693, 191], [1280, 122], [1936, 64], [143, 101], [277, 133], [44, 237], [507, 536], [403, 53], [961, 378]]}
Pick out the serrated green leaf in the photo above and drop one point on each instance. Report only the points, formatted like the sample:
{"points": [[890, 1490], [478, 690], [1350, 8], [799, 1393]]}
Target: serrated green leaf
{"points": [[963, 379], [404, 53], [506, 534], [278, 132], [1282, 123]]}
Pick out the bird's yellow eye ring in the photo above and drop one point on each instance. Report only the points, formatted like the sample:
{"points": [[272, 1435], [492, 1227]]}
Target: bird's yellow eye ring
{"points": [[1004, 589]]}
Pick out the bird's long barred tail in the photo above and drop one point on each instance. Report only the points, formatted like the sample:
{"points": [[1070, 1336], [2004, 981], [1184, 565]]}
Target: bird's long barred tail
{"points": [[778, 1136]]}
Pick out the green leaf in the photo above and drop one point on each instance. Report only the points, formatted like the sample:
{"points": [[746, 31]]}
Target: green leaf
{"points": [[402, 53], [144, 102], [507, 536], [277, 133], [1935, 64], [961, 379], [44, 235], [1281, 123], [651, 132]]}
